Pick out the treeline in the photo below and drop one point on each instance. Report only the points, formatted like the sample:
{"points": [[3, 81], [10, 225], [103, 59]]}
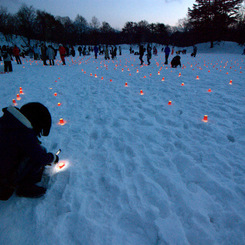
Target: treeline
{"points": [[209, 20]]}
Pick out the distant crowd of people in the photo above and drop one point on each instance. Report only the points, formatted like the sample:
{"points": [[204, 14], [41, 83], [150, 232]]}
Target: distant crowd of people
{"points": [[49, 53]]}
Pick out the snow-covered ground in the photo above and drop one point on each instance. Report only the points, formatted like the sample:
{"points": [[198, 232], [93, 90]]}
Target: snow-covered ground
{"points": [[138, 170]]}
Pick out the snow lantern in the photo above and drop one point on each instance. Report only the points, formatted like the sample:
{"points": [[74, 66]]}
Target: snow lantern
{"points": [[18, 97], [205, 118], [62, 122]]}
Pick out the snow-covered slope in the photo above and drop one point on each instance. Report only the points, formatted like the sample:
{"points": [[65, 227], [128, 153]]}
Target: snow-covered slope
{"points": [[138, 171]]}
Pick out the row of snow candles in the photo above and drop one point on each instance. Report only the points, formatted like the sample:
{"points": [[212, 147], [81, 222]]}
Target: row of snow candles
{"points": [[61, 121]]}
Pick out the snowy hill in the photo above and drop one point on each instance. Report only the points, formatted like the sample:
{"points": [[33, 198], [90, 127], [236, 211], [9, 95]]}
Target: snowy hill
{"points": [[139, 170]]}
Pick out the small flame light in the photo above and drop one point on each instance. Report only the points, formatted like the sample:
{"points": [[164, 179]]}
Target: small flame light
{"points": [[62, 122], [59, 104], [102, 78], [21, 91], [170, 102], [180, 74], [126, 84], [55, 94], [163, 79], [18, 97], [182, 84], [197, 78], [209, 90], [137, 71], [230, 82], [158, 73], [95, 76], [141, 92], [14, 102], [205, 118], [61, 165]]}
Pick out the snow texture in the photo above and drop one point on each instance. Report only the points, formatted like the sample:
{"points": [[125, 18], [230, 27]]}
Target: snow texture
{"points": [[138, 171]]}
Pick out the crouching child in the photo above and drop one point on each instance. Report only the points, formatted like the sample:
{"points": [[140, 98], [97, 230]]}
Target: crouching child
{"points": [[176, 61], [23, 159]]}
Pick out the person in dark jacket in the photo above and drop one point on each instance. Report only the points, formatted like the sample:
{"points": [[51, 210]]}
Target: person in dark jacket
{"points": [[194, 53], [167, 52], [176, 61], [149, 53], [22, 157], [141, 52], [7, 59], [80, 50], [73, 52], [44, 54], [96, 49]]}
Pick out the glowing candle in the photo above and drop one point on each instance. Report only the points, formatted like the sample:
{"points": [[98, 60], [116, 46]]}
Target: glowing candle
{"points": [[163, 79], [18, 97], [205, 118], [126, 84], [210, 90], [230, 82], [62, 122], [55, 94], [61, 165], [170, 102], [197, 78], [141, 92], [182, 84]]}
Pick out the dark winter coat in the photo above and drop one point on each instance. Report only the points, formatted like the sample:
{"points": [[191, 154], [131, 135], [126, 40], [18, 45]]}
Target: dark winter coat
{"points": [[167, 50], [18, 141], [6, 55], [96, 49], [141, 50], [176, 61]]}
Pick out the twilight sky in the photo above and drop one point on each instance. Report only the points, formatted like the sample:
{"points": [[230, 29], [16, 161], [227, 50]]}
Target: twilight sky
{"points": [[115, 12]]}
